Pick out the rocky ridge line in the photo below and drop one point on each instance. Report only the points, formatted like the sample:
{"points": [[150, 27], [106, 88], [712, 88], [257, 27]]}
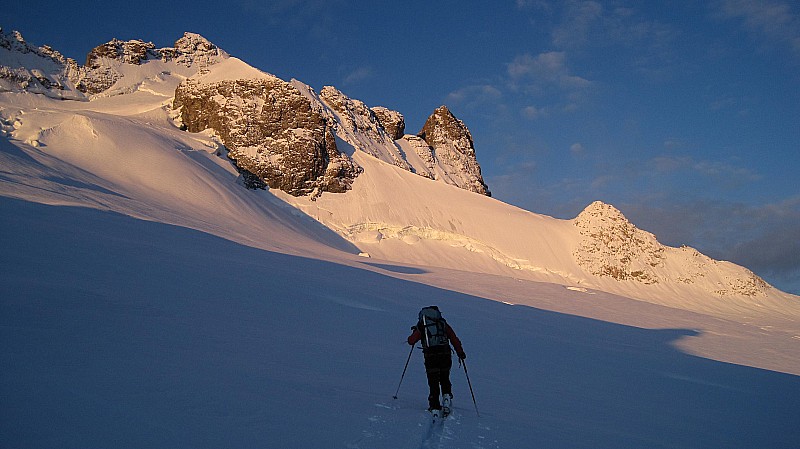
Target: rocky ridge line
{"points": [[614, 247], [453, 148]]}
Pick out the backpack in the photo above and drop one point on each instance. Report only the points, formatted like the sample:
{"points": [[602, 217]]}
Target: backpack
{"points": [[432, 327]]}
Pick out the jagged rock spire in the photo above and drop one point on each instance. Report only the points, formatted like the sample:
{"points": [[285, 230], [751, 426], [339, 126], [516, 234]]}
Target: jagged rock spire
{"points": [[453, 147]]}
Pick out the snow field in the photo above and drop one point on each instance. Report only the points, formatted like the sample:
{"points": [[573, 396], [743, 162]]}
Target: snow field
{"points": [[127, 333]]}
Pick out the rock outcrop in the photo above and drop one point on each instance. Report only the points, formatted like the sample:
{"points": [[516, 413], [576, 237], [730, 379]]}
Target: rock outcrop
{"points": [[45, 71], [359, 126], [612, 246], [101, 70], [392, 121], [40, 70], [271, 131], [453, 148]]}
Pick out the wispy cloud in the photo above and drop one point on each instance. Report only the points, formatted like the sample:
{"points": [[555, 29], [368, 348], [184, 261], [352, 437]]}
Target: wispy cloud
{"points": [[577, 149], [357, 75], [547, 77], [544, 70], [533, 112], [775, 20], [722, 171], [537, 85], [476, 94], [580, 25]]}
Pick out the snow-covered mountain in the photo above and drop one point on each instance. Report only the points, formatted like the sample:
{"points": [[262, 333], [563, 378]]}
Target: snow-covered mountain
{"points": [[397, 197], [123, 65], [175, 274]]}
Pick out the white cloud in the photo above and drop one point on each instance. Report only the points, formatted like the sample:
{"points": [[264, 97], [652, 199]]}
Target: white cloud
{"points": [[357, 75], [533, 113], [546, 68], [577, 149], [548, 77], [580, 18], [478, 93]]}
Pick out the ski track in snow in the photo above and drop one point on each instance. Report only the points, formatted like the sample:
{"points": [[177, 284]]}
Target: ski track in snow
{"points": [[392, 426]]}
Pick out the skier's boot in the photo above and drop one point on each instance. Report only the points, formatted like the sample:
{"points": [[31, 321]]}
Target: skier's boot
{"points": [[447, 402]]}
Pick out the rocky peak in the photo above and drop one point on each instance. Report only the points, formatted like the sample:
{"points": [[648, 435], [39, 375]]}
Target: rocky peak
{"points": [[272, 132], [600, 214], [442, 126], [13, 41], [613, 246], [453, 147], [101, 71], [128, 52], [355, 113], [195, 44], [193, 50], [392, 121], [42, 70]]}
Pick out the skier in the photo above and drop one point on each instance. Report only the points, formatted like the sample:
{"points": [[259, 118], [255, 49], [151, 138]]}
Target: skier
{"points": [[436, 336]]}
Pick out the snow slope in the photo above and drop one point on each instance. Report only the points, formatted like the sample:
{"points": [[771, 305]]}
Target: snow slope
{"points": [[126, 333], [148, 300], [395, 215]]}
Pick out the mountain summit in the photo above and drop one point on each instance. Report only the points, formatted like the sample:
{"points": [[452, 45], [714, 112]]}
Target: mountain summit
{"points": [[43, 70]]}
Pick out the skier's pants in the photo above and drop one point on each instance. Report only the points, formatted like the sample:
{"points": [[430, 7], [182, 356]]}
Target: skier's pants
{"points": [[437, 366]]}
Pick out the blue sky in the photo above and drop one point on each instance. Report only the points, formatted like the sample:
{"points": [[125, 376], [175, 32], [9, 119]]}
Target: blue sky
{"points": [[684, 115]]}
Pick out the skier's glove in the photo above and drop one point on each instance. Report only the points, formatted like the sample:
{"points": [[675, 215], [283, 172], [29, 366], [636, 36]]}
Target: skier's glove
{"points": [[462, 355]]}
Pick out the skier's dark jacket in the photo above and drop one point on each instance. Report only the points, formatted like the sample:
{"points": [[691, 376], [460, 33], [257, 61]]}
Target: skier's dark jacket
{"points": [[416, 336]]}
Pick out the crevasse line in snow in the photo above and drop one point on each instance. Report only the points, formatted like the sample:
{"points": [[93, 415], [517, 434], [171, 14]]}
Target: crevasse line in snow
{"points": [[387, 231]]}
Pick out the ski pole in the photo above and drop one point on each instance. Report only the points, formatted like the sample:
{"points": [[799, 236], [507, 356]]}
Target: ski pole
{"points": [[404, 371], [464, 362]]}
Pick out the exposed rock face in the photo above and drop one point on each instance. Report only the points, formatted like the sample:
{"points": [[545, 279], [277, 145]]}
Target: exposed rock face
{"points": [[453, 148], [129, 52], [613, 246], [193, 50], [271, 130], [97, 75], [733, 279], [360, 127], [101, 71], [392, 121]]}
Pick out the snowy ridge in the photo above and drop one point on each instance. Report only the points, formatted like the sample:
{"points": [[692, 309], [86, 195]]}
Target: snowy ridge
{"points": [[612, 246], [41, 70], [114, 68], [359, 126]]}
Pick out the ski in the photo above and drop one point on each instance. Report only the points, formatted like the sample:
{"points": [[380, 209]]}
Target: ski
{"points": [[436, 415]]}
